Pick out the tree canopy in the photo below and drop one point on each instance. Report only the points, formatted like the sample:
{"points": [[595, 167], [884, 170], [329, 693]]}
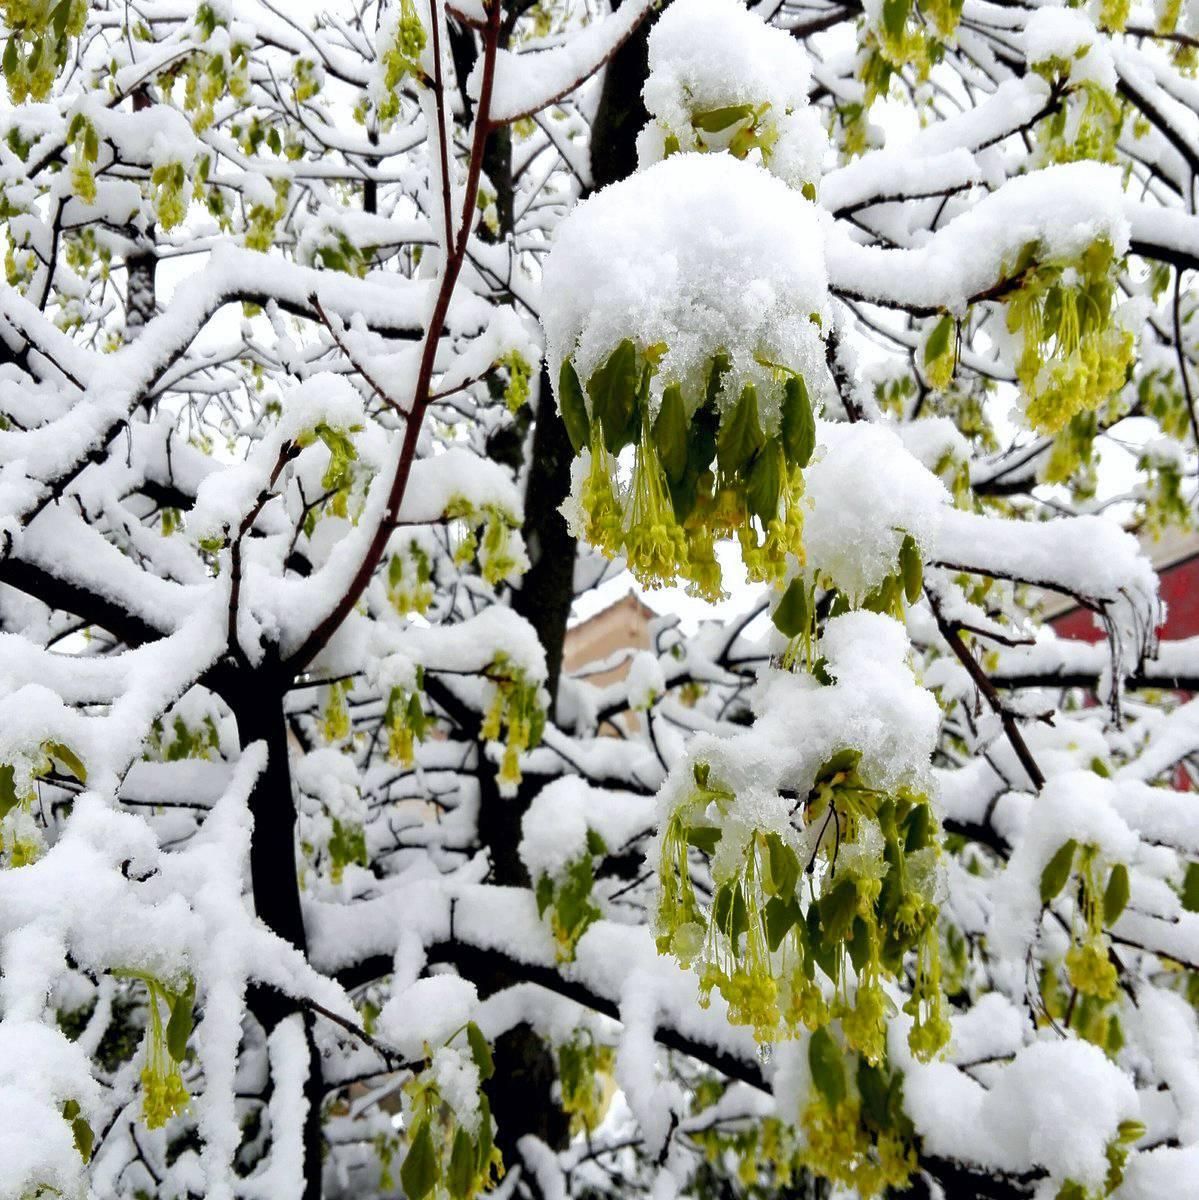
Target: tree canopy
{"points": [[347, 350]]}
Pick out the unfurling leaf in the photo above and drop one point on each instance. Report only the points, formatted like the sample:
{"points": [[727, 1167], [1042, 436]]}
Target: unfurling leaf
{"points": [[1115, 898], [418, 1173], [573, 407], [911, 567], [1057, 871], [741, 434], [798, 424], [792, 614], [827, 1067], [670, 433]]}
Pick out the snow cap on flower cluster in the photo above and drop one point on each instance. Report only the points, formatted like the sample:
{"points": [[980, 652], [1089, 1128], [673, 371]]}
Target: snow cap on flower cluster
{"points": [[1069, 36], [1078, 805], [866, 491], [754, 63], [703, 253], [874, 705], [225, 496], [428, 1013]]}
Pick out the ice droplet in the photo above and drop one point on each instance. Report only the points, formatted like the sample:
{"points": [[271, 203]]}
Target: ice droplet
{"points": [[765, 1053]]}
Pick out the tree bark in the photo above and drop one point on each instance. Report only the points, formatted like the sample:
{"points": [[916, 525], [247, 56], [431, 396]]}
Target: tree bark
{"points": [[140, 265], [256, 698]]}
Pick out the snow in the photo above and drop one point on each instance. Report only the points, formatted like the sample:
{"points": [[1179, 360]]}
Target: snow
{"points": [[427, 1013], [528, 81], [758, 65], [1074, 804], [1056, 1105], [1068, 35], [733, 264], [865, 493], [116, 464], [554, 828], [1063, 209]]}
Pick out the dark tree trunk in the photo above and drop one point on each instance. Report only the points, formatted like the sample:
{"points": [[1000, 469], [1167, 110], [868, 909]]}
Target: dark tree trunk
{"points": [[525, 1069], [547, 588], [621, 113], [256, 698], [140, 295]]}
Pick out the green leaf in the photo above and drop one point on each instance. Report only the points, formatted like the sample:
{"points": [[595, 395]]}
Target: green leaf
{"points": [[69, 759], [783, 866], [938, 340], [1115, 898], [840, 763], [824, 952], [838, 907], [545, 894], [1057, 871], [792, 615], [573, 407], [8, 790], [484, 1144], [613, 392], [701, 447], [480, 1051], [911, 568], [827, 1067], [670, 433], [859, 944], [918, 828], [779, 916], [740, 917], [418, 1173], [765, 484], [462, 1165], [798, 424], [704, 837], [85, 1137], [1190, 882], [741, 434], [716, 119], [596, 846], [179, 1027], [895, 15], [11, 58], [722, 907], [720, 367], [872, 1087]]}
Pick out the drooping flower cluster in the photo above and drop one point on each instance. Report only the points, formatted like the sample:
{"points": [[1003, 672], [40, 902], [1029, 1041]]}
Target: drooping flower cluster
{"points": [[868, 863], [1074, 352], [896, 37], [38, 43], [406, 720], [21, 840], [585, 1067], [410, 580], [858, 1134], [703, 471], [1100, 893], [516, 712], [163, 1092], [450, 1132], [566, 897], [754, 105], [492, 537], [795, 614], [221, 68]]}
